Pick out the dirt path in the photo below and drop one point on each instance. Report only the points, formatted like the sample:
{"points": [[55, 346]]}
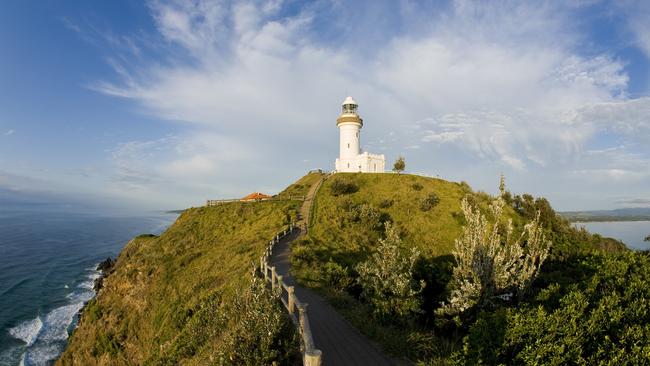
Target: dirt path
{"points": [[340, 343]]}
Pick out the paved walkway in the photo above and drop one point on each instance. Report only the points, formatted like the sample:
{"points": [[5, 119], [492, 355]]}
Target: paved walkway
{"points": [[340, 343]]}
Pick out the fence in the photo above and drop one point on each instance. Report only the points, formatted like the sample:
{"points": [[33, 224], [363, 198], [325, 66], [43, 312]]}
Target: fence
{"points": [[311, 355], [274, 198]]}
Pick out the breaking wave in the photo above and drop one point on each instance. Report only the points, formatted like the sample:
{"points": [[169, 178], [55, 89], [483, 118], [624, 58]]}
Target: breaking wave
{"points": [[45, 335]]}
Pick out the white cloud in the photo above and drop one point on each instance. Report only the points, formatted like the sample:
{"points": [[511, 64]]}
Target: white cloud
{"points": [[502, 82], [9, 132]]}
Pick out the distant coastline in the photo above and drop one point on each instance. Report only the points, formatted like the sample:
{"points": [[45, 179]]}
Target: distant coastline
{"points": [[625, 214]]}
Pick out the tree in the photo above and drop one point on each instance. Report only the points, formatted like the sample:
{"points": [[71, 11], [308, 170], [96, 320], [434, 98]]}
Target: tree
{"points": [[647, 238], [386, 278], [399, 165], [490, 266]]}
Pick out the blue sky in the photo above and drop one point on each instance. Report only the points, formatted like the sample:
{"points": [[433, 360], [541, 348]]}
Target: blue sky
{"points": [[164, 104]]}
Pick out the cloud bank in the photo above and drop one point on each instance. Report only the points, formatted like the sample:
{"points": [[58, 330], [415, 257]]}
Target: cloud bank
{"points": [[465, 89]]}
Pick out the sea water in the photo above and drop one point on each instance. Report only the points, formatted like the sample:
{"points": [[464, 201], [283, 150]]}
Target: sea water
{"points": [[48, 261], [631, 233]]}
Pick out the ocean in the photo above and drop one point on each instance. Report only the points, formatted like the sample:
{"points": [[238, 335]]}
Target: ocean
{"points": [[48, 260], [631, 233]]}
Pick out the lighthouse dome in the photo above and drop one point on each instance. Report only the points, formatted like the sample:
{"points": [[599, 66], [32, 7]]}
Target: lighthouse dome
{"points": [[350, 100]]}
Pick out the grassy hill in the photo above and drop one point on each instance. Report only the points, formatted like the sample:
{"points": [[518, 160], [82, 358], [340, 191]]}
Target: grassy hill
{"points": [[179, 298], [349, 214], [172, 299]]}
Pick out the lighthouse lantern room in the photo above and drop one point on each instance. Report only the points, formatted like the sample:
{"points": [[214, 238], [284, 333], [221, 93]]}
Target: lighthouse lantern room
{"points": [[351, 159]]}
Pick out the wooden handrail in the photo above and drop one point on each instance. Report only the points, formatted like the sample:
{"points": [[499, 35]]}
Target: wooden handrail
{"points": [[311, 355]]}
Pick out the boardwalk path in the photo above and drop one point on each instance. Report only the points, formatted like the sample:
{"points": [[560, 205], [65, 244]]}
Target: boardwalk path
{"points": [[341, 343]]}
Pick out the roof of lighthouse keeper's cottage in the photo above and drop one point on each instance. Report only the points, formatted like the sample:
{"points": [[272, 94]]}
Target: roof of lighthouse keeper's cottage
{"points": [[349, 112]]}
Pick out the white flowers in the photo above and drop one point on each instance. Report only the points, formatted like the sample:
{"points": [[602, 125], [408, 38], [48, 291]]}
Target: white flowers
{"points": [[387, 277], [491, 265]]}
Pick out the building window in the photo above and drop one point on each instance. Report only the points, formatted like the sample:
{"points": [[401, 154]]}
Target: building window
{"points": [[348, 165], [357, 134], [348, 146]]}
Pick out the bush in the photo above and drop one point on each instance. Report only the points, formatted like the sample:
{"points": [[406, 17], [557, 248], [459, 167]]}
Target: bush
{"points": [[429, 202], [336, 276], [417, 186], [491, 266], [263, 335], [604, 319], [386, 203], [386, 278], [341, 187]]}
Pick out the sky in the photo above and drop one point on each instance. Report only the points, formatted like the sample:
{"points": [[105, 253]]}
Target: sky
{"points": [[164, 104]]}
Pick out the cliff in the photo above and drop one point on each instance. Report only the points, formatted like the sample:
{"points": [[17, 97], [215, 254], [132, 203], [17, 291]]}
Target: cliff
{"points": [[164, 301]]}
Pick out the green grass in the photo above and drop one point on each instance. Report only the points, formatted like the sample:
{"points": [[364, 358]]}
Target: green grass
{"points": [[349, 213], [163, 302], [432, 231], [301, 187]]}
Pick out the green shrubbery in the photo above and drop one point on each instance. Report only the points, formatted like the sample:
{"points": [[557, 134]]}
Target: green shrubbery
{"points": [[601, 319], [340, 187], [507, 271], [491, 265], [386, 278], [429, 202], [263, 334]]}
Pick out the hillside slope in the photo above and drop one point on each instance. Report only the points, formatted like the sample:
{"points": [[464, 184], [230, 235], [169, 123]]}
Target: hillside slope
{"points": [[346, 226], [167, 300], [349, 215]]}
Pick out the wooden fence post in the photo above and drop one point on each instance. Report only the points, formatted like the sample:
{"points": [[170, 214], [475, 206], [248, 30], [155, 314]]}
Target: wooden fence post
{"points": [[313, 358], [273, 278], [280, 283], [266, 272], [290, 301]]}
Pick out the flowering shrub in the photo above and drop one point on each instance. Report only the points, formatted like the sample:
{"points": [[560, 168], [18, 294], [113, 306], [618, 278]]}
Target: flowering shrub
{"points": [[386, 278], [490, 265], [262, 334]]}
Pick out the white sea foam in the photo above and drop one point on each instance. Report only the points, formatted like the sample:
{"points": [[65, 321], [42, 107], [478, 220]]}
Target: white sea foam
{"points": [[57, 321], [41, 354], [10, 356], [43, 335], [27, 331]]}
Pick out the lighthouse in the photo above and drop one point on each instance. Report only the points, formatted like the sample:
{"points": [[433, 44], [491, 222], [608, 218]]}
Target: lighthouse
{"points": [[351, 158]]}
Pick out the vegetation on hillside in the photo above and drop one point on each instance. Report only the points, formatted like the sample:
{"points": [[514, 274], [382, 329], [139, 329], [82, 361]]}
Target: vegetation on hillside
{"points": [[491, 266], [178, 298], [399, 165], [602, 317], [386, 278], [301, 187], [348, 229]]}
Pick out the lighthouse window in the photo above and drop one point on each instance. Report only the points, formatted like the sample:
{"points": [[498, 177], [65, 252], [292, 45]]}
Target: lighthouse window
{"points": [[348, 165], [357, 134], [348, 146]]}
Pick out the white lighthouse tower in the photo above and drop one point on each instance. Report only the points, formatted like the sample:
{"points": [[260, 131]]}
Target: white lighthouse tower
{"points": [[351, 159]]}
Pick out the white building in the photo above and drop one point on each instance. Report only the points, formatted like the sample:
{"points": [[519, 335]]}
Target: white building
{"points": [[351, 159]]}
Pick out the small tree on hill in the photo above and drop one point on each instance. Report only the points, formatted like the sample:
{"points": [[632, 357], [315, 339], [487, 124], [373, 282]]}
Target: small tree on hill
{"points": [[386, 278], [490, 265], [647, 238], [400, 165]]}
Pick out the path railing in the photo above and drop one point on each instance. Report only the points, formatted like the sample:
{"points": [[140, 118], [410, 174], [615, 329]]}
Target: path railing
{"points": [[311, 355], [274, 198]]}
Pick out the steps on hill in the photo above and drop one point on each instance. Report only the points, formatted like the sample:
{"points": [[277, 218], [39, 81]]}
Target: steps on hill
{"points": [[305, 209], [339, 341]]}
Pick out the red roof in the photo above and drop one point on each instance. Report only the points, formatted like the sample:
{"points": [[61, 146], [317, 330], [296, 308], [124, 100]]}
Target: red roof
{"points": [[256, 196]]}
